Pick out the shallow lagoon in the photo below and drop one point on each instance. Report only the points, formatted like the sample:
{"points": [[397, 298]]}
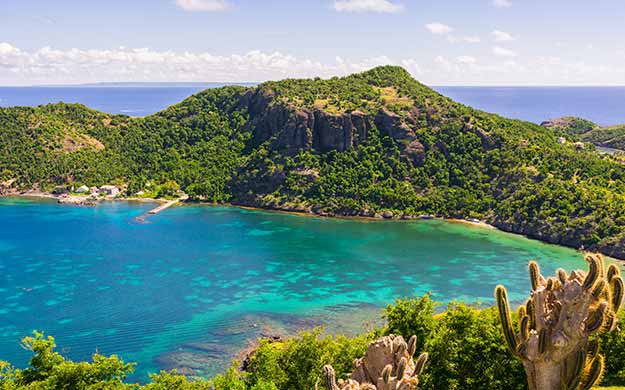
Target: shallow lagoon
{"points": [[190, 286]]}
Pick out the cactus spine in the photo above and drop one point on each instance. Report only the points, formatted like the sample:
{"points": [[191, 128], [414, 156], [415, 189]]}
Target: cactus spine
{"points": [[556, 322], [387, 365]]}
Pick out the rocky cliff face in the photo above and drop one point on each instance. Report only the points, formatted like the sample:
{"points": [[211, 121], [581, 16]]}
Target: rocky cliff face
{"points": [[290, 129], [569, 237]]}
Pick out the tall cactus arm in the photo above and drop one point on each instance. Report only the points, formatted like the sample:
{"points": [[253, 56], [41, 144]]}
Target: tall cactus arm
{"points": [[616, 292], [534, 275], [613, 271], [330, 378], [594, 373], [506, 320]]}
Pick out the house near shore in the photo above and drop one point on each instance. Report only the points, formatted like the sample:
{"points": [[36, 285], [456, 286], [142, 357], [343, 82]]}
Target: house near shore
{"points": [[109, 190], [60, 190], [82, 190]]}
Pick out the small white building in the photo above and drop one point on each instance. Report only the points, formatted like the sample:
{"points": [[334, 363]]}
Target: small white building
{"points": [[82, 190], [109, 190], [561, 140]]}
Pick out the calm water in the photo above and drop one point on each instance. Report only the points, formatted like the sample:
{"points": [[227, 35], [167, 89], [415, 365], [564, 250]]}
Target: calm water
{"points": [[133, 100], [190, 286], [604, 105]]}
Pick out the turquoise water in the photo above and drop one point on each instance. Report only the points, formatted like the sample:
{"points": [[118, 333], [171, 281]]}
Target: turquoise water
{"points": [[186, 289]]}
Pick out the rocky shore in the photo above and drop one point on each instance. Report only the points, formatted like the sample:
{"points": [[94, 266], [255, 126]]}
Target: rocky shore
{"points": [[538, 232]]}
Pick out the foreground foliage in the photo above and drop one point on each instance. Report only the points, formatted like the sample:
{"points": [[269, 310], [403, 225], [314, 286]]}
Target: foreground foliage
{"points": [[466, 347]]}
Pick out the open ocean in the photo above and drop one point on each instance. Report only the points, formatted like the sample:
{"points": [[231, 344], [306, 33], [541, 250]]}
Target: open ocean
{"points": [[603, 105]]}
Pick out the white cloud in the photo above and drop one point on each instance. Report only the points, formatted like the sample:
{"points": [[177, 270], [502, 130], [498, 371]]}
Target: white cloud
{"points": [[53, 66], [438, 28], [466, 60], [380, 6], [502, 3], [203, 5], [502, 36], [464, 39], [6, 49], [503, 52]]}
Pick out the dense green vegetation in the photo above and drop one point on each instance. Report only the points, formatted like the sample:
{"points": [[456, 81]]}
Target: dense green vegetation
{"points": [[374, 142], [465, 343]]}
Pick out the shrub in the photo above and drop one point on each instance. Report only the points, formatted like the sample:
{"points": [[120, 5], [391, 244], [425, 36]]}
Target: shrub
{"points": [[613, 348], [297, 363], [411, 316], [49, 370], [467, 351]]}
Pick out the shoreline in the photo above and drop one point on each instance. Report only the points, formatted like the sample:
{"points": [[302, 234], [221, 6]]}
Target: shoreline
{"points": [[300, 212], [77, 198]]}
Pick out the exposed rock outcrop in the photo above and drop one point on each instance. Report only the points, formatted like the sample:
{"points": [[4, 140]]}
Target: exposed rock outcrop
{"points": [[290, 129]]}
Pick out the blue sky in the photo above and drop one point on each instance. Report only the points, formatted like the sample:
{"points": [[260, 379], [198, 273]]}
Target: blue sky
{"points": [[443, 42]]}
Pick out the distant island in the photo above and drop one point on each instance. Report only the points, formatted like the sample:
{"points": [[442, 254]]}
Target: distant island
{"points": [[373, 144]]}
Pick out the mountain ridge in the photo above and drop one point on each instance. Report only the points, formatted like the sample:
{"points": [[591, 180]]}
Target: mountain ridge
{"points": [[372, 143]]}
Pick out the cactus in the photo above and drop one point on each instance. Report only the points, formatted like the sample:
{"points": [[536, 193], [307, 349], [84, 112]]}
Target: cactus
{"points": [[557, 321], [387, 365]]}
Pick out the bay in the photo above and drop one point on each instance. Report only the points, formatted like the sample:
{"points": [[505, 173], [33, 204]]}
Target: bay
{"points": [[188, 288]]}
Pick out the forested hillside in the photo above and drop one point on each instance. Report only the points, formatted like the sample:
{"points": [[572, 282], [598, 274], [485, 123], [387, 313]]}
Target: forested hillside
{"points": [[587, 131], [374, 143]]}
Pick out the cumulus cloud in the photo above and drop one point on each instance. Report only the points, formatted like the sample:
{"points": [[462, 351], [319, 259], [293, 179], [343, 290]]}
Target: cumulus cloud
{"points": [[464, 39], [49, 65], [502, 36], [502, 3], [6, 49], [72, 66], [438, 28], [203, 5], [503, 52], [466, 60], [379, 6]]}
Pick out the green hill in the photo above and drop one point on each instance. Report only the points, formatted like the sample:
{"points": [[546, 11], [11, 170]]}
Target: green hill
{"points": [[587, 131], [377, 142]]}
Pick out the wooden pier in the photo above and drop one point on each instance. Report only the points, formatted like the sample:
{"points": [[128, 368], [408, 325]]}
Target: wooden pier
{"points": [[167, 205]]}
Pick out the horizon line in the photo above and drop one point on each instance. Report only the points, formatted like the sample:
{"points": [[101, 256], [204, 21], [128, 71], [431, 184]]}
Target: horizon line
{"points": [[148, 84]]}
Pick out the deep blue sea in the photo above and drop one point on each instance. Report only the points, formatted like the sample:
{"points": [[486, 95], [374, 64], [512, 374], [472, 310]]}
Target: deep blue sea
{"points": [[603, 105], [133, 100]]}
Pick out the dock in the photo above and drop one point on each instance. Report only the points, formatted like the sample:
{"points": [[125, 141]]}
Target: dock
{"points": [[167, 205]]}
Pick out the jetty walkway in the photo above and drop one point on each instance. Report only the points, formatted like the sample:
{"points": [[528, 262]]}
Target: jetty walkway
{"points": [[168, 204]]}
